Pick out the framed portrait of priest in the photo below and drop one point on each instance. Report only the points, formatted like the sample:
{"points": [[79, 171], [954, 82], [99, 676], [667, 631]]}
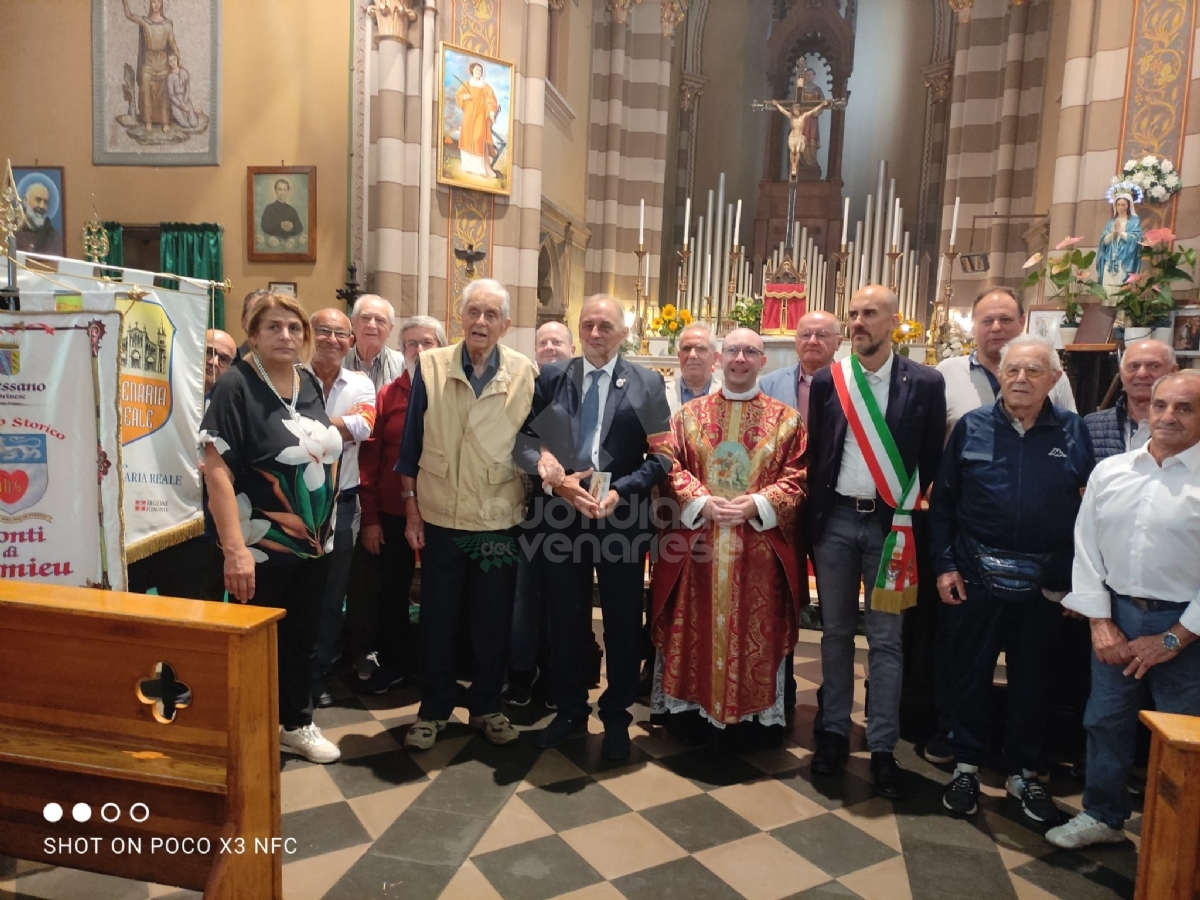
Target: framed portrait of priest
{"points": [[475, 121], [281, 213], [40, 194]]}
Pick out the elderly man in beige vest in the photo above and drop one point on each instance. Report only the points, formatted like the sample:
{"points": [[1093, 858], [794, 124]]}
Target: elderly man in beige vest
{"points": [[464, 500]]}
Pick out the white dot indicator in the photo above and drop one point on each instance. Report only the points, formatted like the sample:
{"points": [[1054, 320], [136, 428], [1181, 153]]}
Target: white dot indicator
{"points": [[52, 812], [81, 812]]}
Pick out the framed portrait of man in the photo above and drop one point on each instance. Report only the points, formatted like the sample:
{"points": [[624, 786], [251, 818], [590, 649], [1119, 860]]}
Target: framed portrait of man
{"points": [[40, 193], [281, 213], [1185, 331], [475, 121]]}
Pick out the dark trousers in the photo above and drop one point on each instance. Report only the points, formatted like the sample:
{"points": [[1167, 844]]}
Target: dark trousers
{"points": [[397, 563], [296, 586], [329, 621], [475, 573], [194, 570], [618, 557], [1028, 634]]}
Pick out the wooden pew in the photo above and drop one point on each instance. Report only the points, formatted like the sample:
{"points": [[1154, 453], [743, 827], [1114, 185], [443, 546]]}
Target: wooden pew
{"points": [[1169, 855], [75, 727]]}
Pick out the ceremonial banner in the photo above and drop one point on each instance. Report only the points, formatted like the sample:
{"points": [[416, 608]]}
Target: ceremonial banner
{"points": [[783, 306], [161, 396], [60, 453]]}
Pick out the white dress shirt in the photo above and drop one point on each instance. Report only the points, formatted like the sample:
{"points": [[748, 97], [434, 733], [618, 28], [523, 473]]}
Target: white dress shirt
{"points": [[766, 518], [1138, 532], [352, 398], [603, 382], [854, 479]]}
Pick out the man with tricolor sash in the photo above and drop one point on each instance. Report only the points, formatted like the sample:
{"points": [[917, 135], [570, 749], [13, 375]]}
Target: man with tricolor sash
{"points": [[876, 425]]}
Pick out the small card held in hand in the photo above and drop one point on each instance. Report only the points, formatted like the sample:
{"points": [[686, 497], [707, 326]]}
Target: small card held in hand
{"points": [[601, 482]]}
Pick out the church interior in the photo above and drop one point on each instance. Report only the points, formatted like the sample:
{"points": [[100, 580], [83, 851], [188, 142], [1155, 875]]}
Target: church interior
{"points": [[710, 156]]}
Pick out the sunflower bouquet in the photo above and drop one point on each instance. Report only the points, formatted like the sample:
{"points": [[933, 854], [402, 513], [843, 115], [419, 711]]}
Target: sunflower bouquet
{"points": [[909, 331], [669, 322]]}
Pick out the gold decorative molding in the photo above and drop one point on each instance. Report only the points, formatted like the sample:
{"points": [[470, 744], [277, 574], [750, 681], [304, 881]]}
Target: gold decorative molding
{"points": [[620, 9], [392, 19], [673, 12], [690, 89], [938, 78], [962, 8], [556, 5]]}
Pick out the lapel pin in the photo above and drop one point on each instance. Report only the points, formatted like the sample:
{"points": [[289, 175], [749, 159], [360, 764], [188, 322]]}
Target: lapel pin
{"points": [[620, 382]]}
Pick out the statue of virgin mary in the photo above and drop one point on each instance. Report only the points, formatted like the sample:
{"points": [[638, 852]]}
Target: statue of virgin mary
{"points": [[1119, 254]]}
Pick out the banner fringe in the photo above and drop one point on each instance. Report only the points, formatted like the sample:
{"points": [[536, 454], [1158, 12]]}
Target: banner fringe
{"points": [[169, 537], [895, 602]]}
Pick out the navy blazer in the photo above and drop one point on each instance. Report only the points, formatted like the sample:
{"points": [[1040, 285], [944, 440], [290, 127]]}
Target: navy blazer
{"points": [[635, 411], [916, 415]]}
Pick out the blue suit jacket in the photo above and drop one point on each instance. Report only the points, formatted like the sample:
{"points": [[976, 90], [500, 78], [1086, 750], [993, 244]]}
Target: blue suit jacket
{"points": [[636, 411], [916, 415], [781, 385]]}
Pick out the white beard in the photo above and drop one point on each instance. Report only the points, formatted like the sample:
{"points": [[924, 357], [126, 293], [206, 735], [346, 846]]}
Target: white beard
{"points": [[35, 220]]}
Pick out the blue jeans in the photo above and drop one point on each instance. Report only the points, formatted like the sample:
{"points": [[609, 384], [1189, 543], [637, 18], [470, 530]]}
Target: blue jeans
{"points": [[1112, 711]]}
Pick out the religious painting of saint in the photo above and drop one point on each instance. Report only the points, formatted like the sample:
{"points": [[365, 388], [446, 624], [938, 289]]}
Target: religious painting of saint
{"points": [[1185, 337], [281, 213], [475, 122], [40, 192], [155, 82]]}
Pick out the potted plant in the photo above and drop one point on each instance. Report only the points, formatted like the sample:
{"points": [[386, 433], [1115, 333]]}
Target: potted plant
{"points": [[747, 313], [669, 322], [1147, 296], [1068, 277]]}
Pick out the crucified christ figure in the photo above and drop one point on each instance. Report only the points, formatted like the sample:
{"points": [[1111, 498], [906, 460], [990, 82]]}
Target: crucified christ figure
{"points": [[797, 142]]}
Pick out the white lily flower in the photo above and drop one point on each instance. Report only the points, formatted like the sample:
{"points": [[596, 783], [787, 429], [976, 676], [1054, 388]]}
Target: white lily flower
{"points": [[253, 530], [318, 445]]}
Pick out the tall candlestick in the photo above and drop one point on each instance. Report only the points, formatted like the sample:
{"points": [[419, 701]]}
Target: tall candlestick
{"points": [[642, 225], [687, 220], [954, 222], [708, 241], [896, 224], [845, 221], [707, 275], [737, 225]]}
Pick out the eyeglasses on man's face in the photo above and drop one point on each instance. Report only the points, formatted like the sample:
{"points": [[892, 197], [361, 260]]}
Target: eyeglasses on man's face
{"points": [[818, 335], [223, 359], [324, 331], [751, 354], [423, 344]]}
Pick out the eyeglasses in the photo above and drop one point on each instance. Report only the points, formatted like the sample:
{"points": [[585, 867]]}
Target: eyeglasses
{"points": [[819, 335], [223, 358], [327, 332], [1013, 370], [369, 319], [750, 353], [427, 344]]}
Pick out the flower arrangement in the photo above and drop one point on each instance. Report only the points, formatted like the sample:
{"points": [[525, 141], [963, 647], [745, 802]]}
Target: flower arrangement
{"points": [[909, 331], [1067, 275], [669, 322], [1147, 295], [747, 312], [1157, 178]]}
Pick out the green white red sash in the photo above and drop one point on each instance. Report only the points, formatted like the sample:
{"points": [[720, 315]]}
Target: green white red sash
{"points": [[895, 587]]}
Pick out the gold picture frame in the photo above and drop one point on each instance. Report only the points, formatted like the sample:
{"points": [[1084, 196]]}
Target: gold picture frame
{"points": [[475, 121]]}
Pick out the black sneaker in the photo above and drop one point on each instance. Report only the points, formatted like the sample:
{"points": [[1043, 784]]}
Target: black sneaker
{"points": [[520, 687], [1035, 802], [938, 750], [382, 679], [961, 796]]}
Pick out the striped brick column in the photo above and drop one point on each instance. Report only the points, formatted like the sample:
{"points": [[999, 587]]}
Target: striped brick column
{"points": [[627, 141], [995, 118]]}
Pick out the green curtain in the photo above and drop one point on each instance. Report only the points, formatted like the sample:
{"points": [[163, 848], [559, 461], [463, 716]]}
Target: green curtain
{"points": [[195, 250], [116, 248]]}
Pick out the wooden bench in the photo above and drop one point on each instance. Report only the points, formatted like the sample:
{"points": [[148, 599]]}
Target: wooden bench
{"points": [[1169, 855], [76, 726]]}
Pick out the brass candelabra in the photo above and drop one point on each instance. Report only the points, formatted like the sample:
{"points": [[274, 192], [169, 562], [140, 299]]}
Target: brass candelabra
{"points": [[641, 301], [840, 286], [893, 256], [735, 256], [940, 314], [683, 255]]}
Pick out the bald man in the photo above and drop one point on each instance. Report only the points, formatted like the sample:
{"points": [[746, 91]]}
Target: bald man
{"points": [[220, 350], [707, 671], [876, 424], [553, 344], [818, 337]]}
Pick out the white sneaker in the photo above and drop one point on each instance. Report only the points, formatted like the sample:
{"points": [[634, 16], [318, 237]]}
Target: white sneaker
{"points": [[309, 743], [1083, 831]]}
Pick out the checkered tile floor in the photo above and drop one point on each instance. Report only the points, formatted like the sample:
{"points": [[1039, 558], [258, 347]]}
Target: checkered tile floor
{"points": [[469, 821]]}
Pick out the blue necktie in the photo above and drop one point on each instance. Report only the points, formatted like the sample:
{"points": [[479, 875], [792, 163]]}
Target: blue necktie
{"points": [[589, 419]]}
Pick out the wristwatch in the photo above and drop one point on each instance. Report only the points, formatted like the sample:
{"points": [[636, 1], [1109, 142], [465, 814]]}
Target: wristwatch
{"points": [[1171, 641], [406, 494]]}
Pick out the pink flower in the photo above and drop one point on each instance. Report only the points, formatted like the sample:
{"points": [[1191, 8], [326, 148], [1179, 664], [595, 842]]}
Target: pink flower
{"points": [[1136, 277], [1158, 236], [1068, 242]]}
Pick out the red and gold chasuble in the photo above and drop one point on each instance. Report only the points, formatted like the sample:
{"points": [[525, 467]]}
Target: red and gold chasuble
{"points": [[725, 612]]}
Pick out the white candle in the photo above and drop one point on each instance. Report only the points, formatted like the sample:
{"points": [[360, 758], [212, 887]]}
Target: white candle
{"points": [[687, 220], [896, 225], [737, 225], [845, 223], [954, 224], [708, 275], [642, 226]]}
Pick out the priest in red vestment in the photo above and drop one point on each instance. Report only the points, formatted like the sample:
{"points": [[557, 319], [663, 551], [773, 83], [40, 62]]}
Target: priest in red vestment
{"points": [[728, 584]]}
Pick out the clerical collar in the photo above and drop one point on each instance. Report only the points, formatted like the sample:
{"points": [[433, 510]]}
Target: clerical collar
{"points": [[743, 395]]}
